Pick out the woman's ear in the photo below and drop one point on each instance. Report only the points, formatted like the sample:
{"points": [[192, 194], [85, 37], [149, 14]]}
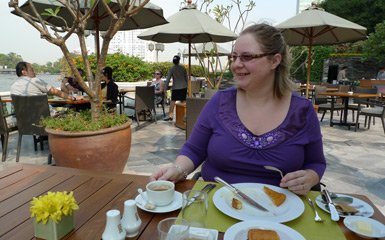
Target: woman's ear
{"points": [[276, 60]]}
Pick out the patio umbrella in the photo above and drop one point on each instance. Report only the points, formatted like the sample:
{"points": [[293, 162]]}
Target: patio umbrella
{"points": [[151, 15], [314, 26], [189, 25]]}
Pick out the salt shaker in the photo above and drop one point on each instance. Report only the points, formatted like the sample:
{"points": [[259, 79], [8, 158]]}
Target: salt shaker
{"points": [[130, 219], [113, 230]]}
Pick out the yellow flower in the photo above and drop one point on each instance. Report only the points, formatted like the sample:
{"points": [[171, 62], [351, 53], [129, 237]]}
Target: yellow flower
{"points": [[53, 205]]}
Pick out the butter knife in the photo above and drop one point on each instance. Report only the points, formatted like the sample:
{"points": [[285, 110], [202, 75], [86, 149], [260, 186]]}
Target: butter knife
{"points": [[332, 208], [241, 194]]}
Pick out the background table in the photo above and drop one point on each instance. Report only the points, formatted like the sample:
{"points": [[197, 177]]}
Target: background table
{"points": [[95, 192]]}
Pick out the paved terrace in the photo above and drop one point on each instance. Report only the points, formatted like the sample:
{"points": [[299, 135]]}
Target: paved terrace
{"points": [[356, 160]]}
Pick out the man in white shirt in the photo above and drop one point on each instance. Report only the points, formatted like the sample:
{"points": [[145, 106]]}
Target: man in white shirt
{"points": [[381, 74], [28, 84]]}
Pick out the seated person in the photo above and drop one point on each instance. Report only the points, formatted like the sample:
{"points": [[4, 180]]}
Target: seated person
{"points": [[28, 84], [159, 87], [69, 84], [110, 87], [381, 74]]}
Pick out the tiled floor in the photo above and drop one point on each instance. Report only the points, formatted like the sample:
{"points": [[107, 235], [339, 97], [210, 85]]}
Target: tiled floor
{"points": [[356, 160]]}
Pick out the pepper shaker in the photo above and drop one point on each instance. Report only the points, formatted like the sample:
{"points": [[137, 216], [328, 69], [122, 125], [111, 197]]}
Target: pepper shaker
{"points": [[130, 219]]}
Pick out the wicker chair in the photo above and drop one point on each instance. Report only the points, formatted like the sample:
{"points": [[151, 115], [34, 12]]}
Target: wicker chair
{"points": [[375, 109], [324, 103], [29, 110], [7, 125], [356, 101], [194, 107], [144, 102]]}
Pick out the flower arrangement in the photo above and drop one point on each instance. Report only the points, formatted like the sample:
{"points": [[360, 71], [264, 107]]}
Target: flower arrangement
{"points": [[53, 205]]}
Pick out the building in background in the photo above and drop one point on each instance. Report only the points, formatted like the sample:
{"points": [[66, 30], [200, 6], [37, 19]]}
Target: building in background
{"points": [[127, 42]]}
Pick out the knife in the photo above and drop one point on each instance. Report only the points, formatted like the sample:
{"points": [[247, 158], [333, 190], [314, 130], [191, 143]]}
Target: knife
{"points": [[332, 208], [240, 194]]}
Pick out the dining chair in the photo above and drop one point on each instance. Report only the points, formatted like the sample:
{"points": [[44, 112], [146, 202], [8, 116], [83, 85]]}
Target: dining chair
{"points": [[324, 102], [194, 107], [196, 87], [29, 110], [7, 125], [375, 109], [144, 102], [356, 101]]}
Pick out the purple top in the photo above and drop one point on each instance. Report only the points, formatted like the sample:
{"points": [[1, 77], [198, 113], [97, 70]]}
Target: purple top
{"points": [[229, 150]]}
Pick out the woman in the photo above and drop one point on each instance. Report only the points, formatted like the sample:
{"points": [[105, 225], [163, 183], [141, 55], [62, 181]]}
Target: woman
{"points": [[159, 87], [259, 123], [112, 90]]}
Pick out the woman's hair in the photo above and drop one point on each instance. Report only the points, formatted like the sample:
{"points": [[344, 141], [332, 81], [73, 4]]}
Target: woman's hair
{"points": [[161, 75], [20, 67], [107, 71], [272, 41], [176, 59]]}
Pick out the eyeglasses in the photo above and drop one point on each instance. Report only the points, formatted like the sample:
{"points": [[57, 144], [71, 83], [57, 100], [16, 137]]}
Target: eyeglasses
{"points": [[157, 73], [248, 57]]}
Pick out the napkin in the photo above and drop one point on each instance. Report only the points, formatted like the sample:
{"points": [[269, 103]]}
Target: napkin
{"points": [[304, 224]]}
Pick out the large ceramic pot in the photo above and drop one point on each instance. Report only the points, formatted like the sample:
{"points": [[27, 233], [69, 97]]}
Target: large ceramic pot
{"points": [[103, 150]]}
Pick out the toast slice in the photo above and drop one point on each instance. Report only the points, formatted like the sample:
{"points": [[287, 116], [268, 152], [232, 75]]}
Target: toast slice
{"points": [[276, 197], [260, 234], [235, 203]]}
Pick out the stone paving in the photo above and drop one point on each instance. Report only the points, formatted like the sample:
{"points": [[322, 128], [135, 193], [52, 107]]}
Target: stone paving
{"points": [[355, 160]]}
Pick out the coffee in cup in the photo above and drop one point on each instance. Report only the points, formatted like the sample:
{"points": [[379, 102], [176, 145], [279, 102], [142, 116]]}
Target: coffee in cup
{"points": [[160, 192]]}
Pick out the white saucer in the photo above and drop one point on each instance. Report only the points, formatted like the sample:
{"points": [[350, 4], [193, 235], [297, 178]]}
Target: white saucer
{"points": [[174, 205], [377, 228]]}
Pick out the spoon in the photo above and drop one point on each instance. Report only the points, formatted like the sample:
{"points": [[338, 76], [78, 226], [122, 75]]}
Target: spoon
{"points": [[274, 169], [148, 204]]}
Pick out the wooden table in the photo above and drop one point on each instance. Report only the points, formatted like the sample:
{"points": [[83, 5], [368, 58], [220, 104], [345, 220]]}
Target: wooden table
{"points": [[55, 100], [345, 96], [95, 192]]}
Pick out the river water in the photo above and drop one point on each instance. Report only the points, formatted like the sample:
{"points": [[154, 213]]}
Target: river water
{"points": [[6, 80]]}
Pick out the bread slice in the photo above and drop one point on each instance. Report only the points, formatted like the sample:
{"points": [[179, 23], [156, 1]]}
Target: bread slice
{"points": [[276, 197], [260, 234], [235, 203]]}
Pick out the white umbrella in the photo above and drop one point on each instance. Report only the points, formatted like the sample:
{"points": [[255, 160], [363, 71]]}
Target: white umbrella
{"points": [[189, 25], [150, 15], [314, 26]]}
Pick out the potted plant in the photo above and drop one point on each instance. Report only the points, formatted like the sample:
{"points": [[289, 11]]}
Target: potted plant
{"points": [[53, 214], [57, 21]]}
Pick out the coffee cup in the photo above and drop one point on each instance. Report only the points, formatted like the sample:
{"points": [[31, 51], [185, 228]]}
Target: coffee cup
{"points": [[160, 192], [350, 93]]}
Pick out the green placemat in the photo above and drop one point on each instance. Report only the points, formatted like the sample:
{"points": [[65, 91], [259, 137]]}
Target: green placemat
{"points": [[304, 224]]}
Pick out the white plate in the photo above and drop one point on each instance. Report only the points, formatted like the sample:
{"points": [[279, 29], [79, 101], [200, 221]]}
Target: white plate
{"points": [[213, 233], [365, 210], [239, 231], [292, 208], [174, 205], [378, 229]]}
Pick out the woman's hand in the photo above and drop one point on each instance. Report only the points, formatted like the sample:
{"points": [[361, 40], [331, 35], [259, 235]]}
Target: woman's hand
{"points": [[300, 182], [170, 173]]}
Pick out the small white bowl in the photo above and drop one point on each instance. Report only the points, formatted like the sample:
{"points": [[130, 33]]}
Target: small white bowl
{"points": [[377, 228], [350, 93]]}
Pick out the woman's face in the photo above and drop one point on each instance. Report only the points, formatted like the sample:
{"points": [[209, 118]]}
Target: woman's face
{"points": [[157, 75], [250, 70]]}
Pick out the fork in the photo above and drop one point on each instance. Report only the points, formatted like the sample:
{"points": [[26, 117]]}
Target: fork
{"points": [[317, 218], [206, 189]]}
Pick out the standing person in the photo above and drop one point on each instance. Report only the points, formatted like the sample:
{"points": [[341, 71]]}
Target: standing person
{"points": [[159, 87], [28, 84], [112, 90], [178, 74], [381, 74], [342, 74], [69, 84], [258, 123]]}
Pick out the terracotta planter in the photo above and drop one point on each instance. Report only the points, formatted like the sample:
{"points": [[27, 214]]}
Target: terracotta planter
{"points": [[102, 150]]}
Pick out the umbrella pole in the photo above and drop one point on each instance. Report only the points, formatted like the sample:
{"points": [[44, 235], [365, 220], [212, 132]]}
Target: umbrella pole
{"points": [[308, 70], [189, 69]]}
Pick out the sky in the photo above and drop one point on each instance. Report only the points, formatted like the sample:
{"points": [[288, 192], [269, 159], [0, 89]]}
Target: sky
{"points": [[20, 37]]}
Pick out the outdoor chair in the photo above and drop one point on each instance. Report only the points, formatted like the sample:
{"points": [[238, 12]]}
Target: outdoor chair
{"points": [[324, 102], [356, 101], [29, 110], [375, 109], [7, 125], [196, 88], [144, 103], [194, 107]]}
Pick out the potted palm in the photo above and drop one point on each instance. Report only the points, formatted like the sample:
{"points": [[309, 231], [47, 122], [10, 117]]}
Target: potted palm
{"points": [[57, 21]]}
